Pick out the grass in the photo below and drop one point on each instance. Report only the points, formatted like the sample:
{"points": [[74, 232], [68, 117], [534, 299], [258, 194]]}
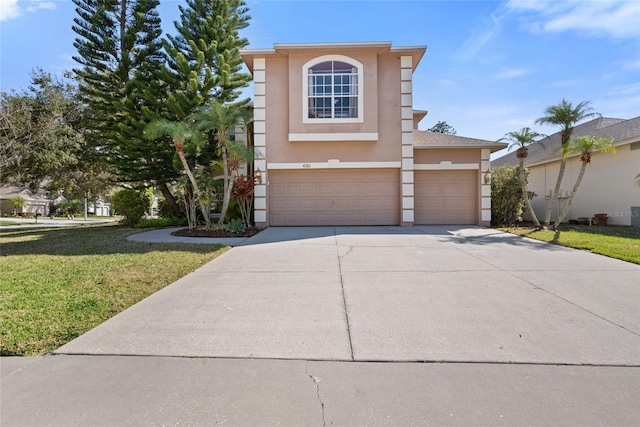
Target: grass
{"points": [[5, 223], [58, 283], [616, 242]]}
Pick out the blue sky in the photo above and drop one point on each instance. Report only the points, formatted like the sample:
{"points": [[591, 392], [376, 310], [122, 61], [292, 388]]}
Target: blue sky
{"points": [[491, 67]]}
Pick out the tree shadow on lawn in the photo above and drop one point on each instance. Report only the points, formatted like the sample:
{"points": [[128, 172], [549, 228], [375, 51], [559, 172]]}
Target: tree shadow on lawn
{"points": [[89, 240]]}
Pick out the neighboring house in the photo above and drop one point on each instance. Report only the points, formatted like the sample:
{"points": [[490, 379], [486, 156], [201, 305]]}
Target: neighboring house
{"points": [[34, 203], [338, 143], [609, 185], [99, 208]]}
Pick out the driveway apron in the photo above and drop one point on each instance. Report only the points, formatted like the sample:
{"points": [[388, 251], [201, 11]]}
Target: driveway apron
{"points": [[428, 294]]}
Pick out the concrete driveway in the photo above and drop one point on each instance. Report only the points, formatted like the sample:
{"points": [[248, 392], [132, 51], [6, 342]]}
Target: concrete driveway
{"points": [[389, 294], [363, 326]]}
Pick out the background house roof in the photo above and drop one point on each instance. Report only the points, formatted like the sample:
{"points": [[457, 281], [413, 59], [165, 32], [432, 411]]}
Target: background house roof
{"points": [[548, 149], [427, 139]]}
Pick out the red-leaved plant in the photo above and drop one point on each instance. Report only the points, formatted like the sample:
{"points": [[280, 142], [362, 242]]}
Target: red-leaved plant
{"points": [[243, 192]]}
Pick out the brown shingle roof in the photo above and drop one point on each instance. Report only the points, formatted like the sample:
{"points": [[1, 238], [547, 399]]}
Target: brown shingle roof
{"points": [[619, 129], [427, 139]]}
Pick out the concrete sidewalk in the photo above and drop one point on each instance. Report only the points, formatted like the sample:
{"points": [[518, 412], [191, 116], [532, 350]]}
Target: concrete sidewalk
{"points": [[358, 326], [45, 222]]}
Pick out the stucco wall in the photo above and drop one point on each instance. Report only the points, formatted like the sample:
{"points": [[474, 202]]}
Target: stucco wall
{"points": [[608, 186], [369, 62], [284, 113], [468, 155]]}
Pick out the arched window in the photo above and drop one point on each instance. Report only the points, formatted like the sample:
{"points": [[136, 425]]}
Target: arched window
{"points": [[332, 90]]}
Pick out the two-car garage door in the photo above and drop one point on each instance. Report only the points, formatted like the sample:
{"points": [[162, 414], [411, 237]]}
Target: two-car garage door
{"points": [[369, 197], [334, 197]]}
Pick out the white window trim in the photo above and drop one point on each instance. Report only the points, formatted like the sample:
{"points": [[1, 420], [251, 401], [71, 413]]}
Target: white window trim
{"points": [[305, 89]]}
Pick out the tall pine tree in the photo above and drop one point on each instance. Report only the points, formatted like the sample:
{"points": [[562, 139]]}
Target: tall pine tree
{"points": [[204, 62], [120, 53], [204, 65]]}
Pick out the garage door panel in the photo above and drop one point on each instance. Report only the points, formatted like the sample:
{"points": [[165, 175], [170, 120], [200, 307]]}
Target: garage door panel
{"points": [[445, 197], [334, 197]]}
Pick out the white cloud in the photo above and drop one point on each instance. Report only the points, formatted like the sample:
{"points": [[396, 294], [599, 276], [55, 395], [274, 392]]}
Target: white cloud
{"points": [[630, 89], [632, 64], [616, 19], [9, 9], [567, 83], [510, 73], [480, 38], [37, 5]]}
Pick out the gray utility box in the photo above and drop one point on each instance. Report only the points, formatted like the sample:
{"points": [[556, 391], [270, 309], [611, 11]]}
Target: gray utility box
{"points": [[635, 216]]}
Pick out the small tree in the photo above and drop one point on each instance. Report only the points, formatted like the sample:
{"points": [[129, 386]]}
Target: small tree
{"points": [[181, 133], [507, 200], [443, 127], [586, 146], [566, 116], [243, 193], [220, 119], [132, 204], [522, 139], [17, 202]]}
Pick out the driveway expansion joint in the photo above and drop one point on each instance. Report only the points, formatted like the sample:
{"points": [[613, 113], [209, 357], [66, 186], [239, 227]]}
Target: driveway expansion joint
{"points": [[356, 361]]}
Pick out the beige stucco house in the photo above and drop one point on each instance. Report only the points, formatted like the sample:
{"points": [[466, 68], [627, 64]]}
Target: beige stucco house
{"points": [[337, 142], [34, 203], [609, 184]]}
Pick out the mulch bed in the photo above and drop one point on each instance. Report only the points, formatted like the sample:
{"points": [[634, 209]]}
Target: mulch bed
{"points": [[201, 232]]}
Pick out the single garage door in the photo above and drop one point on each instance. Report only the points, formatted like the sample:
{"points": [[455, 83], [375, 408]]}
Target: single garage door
{"points": [[445, 197], [334, 197]]}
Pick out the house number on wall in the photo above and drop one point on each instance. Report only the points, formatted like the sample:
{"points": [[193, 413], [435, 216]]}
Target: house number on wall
{"points": [[306, 165]]}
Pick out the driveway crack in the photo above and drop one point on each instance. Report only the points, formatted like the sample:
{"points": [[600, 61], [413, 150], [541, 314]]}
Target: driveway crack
{"points": [[316, 381], [344, 298]]}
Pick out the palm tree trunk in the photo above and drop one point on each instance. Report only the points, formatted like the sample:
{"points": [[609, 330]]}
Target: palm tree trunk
{"points": [[565, 211], [169, 198], [525, 195], [196, 189], [556, 192], [226, 192]]}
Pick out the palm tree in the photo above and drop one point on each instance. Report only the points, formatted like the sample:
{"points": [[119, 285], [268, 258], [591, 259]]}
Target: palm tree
{"points": [[220, 119], [17, 202], [180, 133], [586, 146], [566, 116], [522, 139]]}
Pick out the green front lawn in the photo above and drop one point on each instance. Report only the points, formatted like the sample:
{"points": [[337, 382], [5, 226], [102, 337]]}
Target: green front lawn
{"points": [[615, 242], [58, 283]]}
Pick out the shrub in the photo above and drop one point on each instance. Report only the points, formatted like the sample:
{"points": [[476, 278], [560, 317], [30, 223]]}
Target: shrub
{"points": [[236, 225], [506, 195], [131, 204]]}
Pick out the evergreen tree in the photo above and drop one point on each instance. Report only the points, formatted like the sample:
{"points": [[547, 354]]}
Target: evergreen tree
{"points": [[443, 127], [203, 66], [204, 60], [120, 53]]}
